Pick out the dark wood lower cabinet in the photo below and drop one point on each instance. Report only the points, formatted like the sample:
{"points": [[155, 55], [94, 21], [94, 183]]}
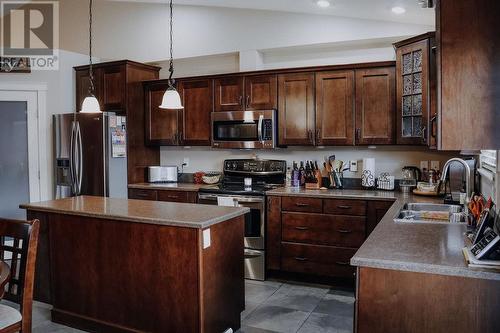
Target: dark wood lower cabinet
{"points": [[318, 236], [167, 195], [317, 260], [390, 301]]}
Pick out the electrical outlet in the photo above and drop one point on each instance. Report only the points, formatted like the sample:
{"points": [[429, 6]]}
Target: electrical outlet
{"points": [[435, 165], [353, 166], [424, 165], [186, 162]]}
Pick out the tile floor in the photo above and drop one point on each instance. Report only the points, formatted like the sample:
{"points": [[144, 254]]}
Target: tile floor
{"points": [[271, 306]]}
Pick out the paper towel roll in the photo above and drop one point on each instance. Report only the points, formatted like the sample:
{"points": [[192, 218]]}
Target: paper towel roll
{"points": [[368, 174]]}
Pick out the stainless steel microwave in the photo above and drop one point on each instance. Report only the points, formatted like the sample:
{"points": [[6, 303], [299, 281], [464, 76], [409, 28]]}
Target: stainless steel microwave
{"points": [[244, 129]]}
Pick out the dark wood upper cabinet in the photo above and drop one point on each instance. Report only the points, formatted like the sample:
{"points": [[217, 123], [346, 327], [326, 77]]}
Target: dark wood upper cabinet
{"points": [[83, 86], [113, 88], [468, 55], [197, 99], [162, 125], [335, 108], [261, 92], [296, 109], [375, 106], [414, 117], [119, 88], [229, 93]]}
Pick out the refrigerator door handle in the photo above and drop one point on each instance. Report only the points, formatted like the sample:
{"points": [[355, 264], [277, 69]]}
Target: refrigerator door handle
{"points": [[72, 170], [79, 157]]}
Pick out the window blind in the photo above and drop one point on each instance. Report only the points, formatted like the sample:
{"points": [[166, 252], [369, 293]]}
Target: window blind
{"points": [[490, 185]]}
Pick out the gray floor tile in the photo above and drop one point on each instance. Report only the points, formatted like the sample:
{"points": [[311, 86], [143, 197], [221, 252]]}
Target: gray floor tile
{"points": [[303, 289], [296, 298], [275, 318], [336, 305], [322, 323], [258, 293], [249, 307], [270, 283], [249, 329]]}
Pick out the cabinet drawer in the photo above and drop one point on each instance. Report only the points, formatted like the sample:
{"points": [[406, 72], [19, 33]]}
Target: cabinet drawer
{"points": [[294, 204], [317, 259], [173, 196], [345, 207], [134, 193], [323, 229]]}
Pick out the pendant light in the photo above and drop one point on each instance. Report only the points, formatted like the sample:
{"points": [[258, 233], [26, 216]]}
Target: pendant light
{"points": [[171, 98], [90, 103]]}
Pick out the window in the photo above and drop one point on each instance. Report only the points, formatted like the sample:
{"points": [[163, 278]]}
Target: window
{"points": [[489, 171]]}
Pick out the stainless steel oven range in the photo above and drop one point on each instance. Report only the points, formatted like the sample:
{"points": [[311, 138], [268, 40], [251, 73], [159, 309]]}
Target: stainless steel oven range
{"points": [[264, 175]]}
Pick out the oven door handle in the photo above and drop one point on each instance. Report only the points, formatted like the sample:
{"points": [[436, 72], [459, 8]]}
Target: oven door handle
{"points": [[259, 128], [250, 254], [213, 197]]}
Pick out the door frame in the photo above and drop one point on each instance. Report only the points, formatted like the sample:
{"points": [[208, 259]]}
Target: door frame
{"points": [[35, 95]]}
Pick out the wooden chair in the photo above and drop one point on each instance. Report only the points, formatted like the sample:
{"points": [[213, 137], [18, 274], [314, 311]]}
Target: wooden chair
{"points": [[20, 239]]}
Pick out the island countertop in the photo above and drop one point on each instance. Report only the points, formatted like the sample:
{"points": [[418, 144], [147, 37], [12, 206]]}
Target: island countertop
{"points": [[416, 247], [141, 211]]}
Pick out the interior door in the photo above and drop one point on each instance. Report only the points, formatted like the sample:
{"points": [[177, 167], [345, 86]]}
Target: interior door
{"points": [[296, 109], [335, 108], [375, 106], [261, 92], [19, 161], [229, 94]]}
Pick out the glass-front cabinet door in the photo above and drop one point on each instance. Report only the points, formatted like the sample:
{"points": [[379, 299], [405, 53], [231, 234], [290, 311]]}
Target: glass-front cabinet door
{"points": [[412, 91]]}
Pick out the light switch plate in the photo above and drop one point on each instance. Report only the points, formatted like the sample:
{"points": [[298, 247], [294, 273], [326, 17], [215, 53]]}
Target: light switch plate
{"points": [[435, 165], [424, 165], [186, 162], [353, 166], [206, 238]]}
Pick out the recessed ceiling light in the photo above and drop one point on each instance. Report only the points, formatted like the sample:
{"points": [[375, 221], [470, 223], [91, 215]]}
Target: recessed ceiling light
{"points": [[398, 10], [323, 3]]}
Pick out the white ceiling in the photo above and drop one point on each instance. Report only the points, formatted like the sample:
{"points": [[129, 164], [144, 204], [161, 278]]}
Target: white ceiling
{"points": [[367, 9]]}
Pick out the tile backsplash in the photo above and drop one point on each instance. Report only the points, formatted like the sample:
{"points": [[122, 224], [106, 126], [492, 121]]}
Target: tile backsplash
{"points": [[387, 159]]}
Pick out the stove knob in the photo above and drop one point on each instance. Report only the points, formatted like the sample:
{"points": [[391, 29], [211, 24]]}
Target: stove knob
{"points": [[234, 166]]}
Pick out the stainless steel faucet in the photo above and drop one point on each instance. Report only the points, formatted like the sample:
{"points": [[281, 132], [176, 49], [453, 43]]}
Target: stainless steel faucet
{"points": [[446, 167]]}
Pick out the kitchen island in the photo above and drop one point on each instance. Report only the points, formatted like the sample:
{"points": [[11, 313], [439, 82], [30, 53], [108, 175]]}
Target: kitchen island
{"points": [[120, 265]]}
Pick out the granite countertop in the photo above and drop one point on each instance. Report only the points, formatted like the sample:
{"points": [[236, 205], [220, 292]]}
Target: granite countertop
{"points": [[141, 211], [190, 187], [342, 194], [416, 247]]}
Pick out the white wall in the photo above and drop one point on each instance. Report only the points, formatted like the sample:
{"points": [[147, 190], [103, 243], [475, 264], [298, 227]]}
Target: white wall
{"points": [[139, 31], [60, 99], [387, 159]]}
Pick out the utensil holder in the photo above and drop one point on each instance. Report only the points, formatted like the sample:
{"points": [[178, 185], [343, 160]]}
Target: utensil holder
{"points": [[336, 180]]}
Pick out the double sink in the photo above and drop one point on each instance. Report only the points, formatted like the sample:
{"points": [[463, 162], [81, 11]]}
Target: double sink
{"points": [[430, 213]]}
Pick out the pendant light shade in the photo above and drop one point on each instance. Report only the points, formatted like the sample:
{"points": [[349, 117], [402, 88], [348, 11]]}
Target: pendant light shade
{"points": [[90, 105], [171, 98]]}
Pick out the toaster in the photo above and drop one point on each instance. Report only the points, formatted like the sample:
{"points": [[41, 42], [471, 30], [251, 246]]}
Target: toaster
{"points": [[162, 174]]}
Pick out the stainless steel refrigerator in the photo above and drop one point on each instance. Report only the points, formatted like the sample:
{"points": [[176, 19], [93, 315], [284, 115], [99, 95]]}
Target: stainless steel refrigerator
{"points": [[90, 155]]}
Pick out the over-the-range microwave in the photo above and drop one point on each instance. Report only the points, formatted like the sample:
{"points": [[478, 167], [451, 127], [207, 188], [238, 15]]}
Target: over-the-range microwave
{"points": [[244, 129]]}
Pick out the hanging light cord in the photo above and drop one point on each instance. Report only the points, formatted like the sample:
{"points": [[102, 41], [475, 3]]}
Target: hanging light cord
{"points": [[171, 68], [91, 74]]}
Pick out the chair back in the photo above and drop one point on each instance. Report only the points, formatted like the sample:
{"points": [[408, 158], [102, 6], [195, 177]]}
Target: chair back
{"points": [[18, 245]]}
